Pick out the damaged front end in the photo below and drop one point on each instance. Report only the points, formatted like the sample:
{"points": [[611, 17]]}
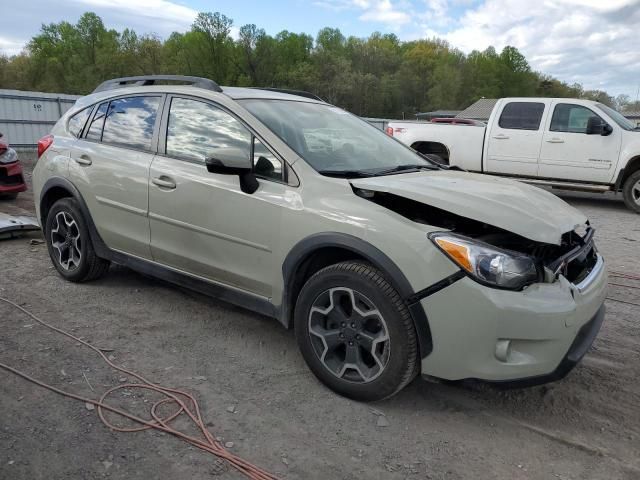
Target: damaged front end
{"points": [[492, 255]]}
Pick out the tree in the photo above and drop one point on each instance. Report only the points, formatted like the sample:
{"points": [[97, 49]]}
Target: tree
{"points": [[373, 76]]}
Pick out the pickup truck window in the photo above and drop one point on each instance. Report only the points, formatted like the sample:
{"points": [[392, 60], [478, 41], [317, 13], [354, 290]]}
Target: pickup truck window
{"points": [[571, 118], [521, 116]]}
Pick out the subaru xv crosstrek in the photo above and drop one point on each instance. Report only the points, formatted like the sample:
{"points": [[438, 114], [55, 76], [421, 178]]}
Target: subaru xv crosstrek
{"points": [[386, 264]]}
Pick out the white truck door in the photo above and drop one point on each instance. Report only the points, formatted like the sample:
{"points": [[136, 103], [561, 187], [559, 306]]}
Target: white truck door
{"points": [[515, 137], [573, 151]]}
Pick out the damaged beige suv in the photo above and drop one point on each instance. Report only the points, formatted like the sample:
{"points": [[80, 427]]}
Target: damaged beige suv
{"points": [[387, 264]]}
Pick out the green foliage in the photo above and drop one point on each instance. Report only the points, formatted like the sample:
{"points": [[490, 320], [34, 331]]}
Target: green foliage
{"points": [[378, 76]]}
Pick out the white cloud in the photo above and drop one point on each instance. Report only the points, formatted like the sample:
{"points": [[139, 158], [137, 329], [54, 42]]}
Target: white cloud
{"points": [[587, 41], [160, 14], [392, 14], [11, 46]]}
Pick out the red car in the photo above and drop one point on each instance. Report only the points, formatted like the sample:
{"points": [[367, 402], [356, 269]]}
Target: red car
{"points": [[11, 177]]}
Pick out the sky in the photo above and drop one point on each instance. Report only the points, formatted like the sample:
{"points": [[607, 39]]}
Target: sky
{"points": [[593, 42]]}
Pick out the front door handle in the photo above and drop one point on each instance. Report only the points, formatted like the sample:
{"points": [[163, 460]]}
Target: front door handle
{"points": [[501, 136], [164, 182], [555, 140], [83, 160]]}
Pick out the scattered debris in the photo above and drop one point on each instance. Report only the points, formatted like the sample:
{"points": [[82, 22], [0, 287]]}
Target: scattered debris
{"points": [[36, 241], [285, 460], [63, 373], [219, 467], [376, 412], [87, 380], [107, 464], [122, 379], [231, 409], [382, 421], [228, 445], [12, 226], [89, 406]]}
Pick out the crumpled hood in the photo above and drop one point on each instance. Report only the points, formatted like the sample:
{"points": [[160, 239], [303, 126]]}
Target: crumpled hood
{"points": [[523, 209]]}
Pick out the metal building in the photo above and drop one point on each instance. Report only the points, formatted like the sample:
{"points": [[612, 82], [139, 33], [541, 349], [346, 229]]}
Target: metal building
{"points": [[25, 117]]}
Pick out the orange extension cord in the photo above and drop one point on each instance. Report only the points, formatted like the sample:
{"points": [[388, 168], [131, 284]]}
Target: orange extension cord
{"points": [[184, 402]]}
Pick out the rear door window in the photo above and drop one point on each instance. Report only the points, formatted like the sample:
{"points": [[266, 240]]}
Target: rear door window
{"points": [[130, 121], [521, 116]]}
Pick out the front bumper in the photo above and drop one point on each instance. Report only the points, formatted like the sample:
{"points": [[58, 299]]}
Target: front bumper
{"points": [[533, 336], [11, 178]]}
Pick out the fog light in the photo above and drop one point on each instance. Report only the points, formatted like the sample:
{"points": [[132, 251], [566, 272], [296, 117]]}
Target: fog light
{"points": [[503, 350]]}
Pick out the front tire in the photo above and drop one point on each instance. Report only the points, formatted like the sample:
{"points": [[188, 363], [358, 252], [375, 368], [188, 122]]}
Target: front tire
{"points": [[69, 243], [355, 332], [631, 192]]}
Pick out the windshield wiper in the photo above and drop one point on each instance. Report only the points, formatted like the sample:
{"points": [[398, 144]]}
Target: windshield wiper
{"points": [[345, 173], [407, 167]]}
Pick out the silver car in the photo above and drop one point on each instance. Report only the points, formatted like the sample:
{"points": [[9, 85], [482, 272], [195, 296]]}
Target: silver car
{"points": [[386, 264]]}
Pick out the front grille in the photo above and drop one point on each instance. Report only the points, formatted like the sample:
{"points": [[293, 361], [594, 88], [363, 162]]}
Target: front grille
{"points": [[577, 259]]}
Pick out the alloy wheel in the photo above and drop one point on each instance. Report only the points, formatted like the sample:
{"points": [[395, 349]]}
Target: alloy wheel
{"points": [[66, 240], [635, 192], [349, 335]]}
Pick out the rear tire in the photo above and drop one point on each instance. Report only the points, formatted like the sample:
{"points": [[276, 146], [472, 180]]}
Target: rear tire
{"points": [[631, 192], [355, 332], [69, 243]]}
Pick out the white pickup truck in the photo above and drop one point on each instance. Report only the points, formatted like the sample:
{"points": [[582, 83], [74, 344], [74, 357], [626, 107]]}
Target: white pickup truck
{"points": [[558, 142]]}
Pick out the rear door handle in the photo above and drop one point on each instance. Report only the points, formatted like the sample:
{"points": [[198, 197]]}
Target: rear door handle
{"points": [[555, 140], [83, 160], [501, 137], [164, 182]]}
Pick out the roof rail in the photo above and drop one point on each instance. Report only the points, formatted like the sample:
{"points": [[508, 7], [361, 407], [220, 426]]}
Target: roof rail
{"points": [[300, 93], [153, 79]]}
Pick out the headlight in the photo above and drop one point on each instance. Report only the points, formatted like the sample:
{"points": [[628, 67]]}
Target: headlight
{"points": [[488, 264], [9, 156]]}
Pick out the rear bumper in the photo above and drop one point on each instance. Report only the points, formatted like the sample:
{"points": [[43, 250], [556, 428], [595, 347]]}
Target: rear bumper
{"points": [[12, 178]]}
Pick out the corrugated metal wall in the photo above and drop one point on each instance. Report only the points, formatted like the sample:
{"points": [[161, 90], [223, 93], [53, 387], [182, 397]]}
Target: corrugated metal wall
{"points": [[25, 117]]}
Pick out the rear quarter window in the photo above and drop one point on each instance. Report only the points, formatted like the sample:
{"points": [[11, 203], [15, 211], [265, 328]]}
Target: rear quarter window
{"points": [[78, 121], [521, 116]]}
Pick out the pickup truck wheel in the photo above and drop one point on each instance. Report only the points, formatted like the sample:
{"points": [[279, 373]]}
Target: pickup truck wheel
{"points": [[69, 243], [355, 332], [631, 191]]}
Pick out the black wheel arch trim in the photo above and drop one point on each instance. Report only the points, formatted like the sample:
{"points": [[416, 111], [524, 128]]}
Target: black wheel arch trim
{"points": [[99, 246], [306, 247]]}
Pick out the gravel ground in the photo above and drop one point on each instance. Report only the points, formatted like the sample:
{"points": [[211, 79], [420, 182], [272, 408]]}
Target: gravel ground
{"points": [[584, 427]]}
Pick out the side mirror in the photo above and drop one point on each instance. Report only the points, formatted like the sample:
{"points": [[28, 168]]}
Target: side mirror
{"points": [[596, 126], [233, 161]]}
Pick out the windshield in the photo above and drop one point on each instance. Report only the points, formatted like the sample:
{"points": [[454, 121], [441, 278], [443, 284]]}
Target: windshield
{"points": [[332, 140], [617, 117]]}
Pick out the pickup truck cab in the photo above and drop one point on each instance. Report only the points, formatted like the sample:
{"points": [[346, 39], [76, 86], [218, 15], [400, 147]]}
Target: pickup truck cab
{"points": [[558, 142]]}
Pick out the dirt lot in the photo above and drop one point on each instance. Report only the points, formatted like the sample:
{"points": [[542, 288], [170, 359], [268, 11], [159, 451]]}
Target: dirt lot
{"points": [[584, 427]]}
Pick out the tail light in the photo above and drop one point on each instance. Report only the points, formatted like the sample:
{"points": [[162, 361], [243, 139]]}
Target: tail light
{"points": [[44, 143], [389, 131]]}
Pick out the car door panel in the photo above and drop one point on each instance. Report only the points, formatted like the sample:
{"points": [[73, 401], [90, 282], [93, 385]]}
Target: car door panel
{"points": [[208, 227], [514, 139], [113, 177], [569, 153], [202, 222]]}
